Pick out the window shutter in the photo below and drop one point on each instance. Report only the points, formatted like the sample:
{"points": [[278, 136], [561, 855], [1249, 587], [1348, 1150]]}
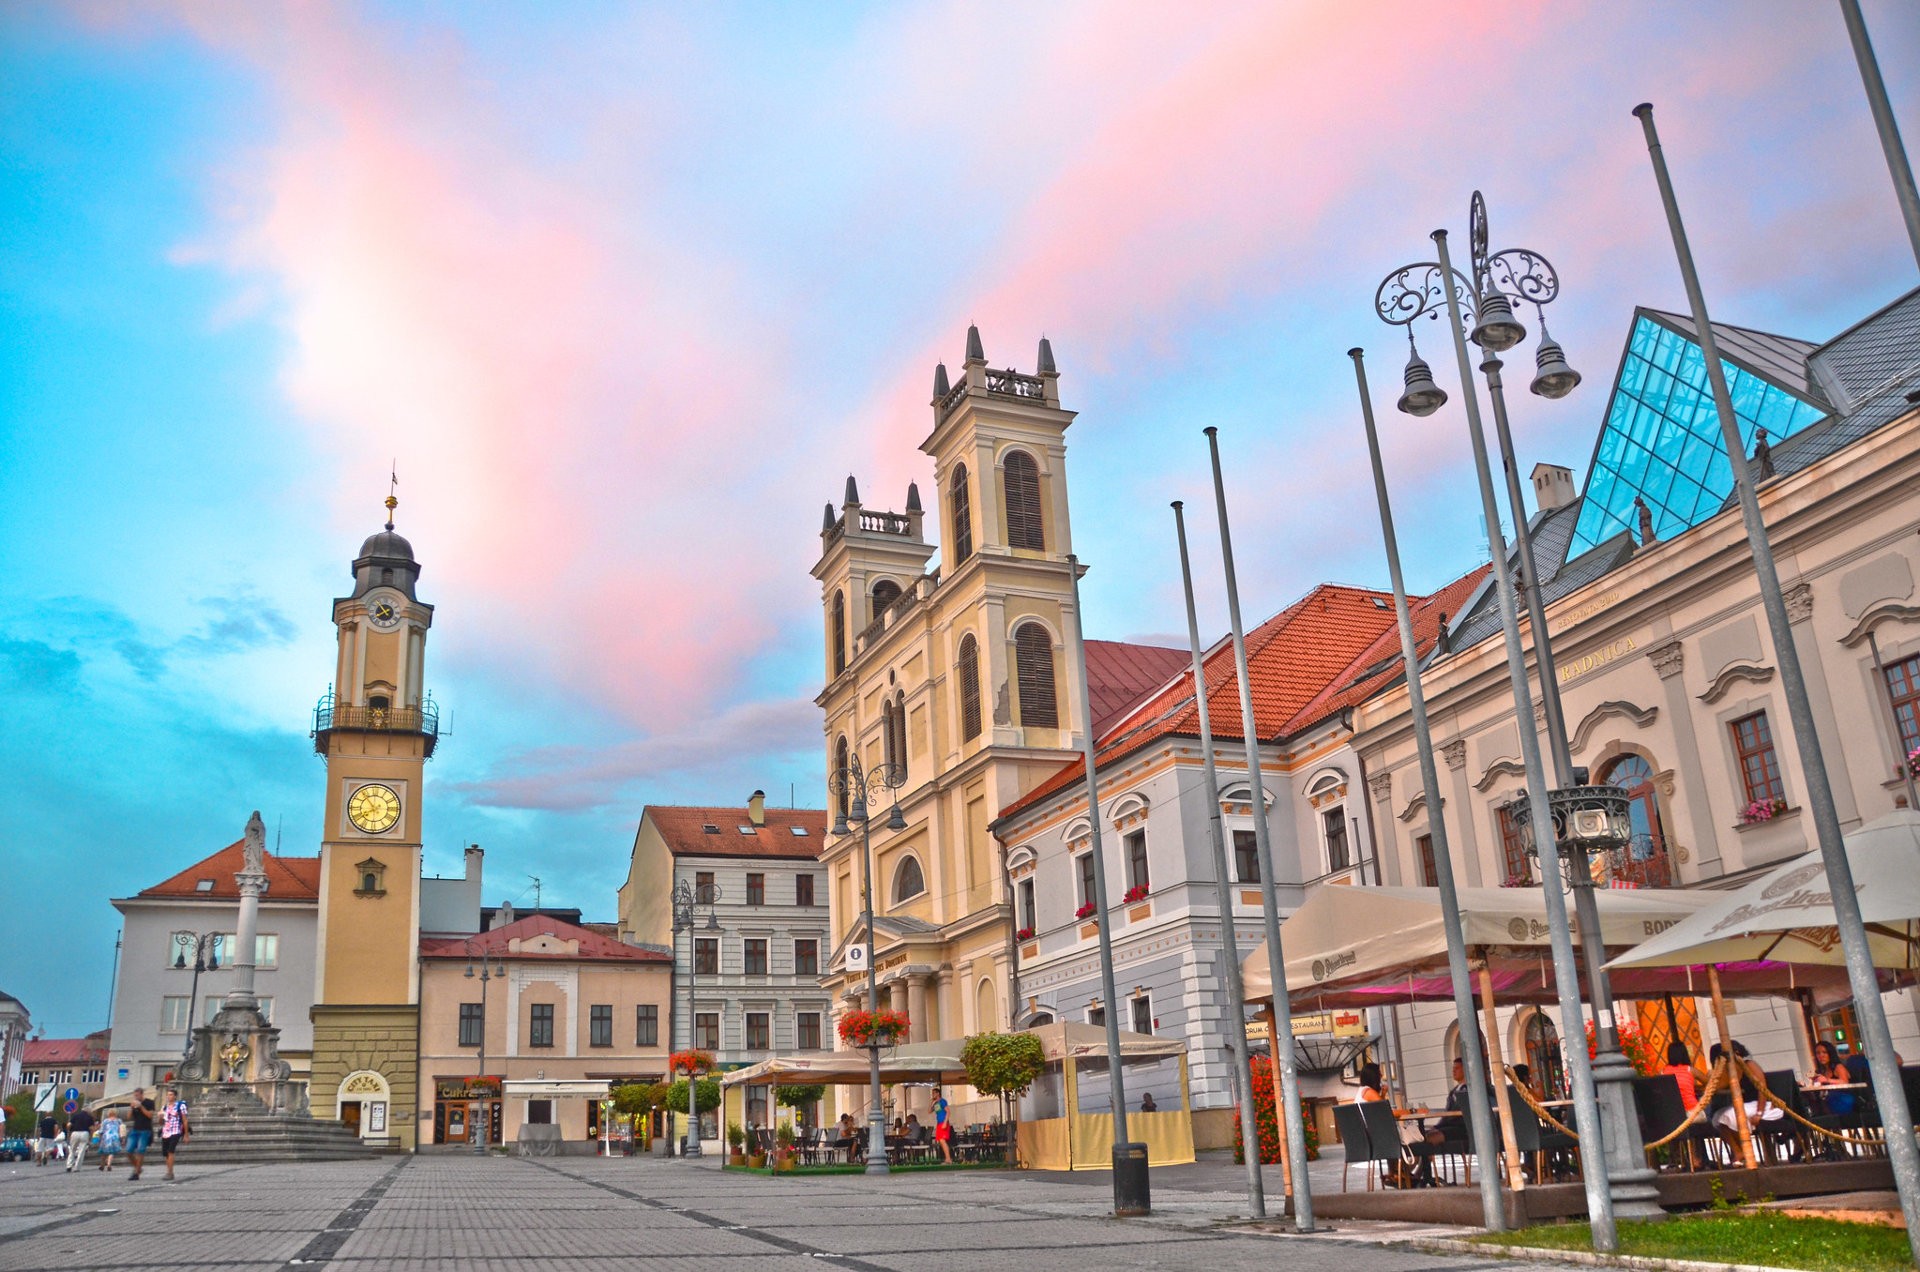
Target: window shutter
{"points": [[1022, 477], [839, 632], [969, 676], [1033, 660], [962, 504]]}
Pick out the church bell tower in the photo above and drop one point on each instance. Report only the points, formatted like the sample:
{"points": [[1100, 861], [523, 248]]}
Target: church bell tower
{"points": [[375, 729]]}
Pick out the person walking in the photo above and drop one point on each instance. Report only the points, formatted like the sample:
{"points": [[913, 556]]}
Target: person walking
{"points": [[942, 1129], [46, 1143], [174, 1130], [140, 1130], [113, 1134], [79, 1136]]}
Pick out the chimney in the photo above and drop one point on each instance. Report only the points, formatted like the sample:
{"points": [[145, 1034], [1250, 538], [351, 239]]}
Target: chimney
{"points": [[757, 808], [1552, 487], [474, 855]]}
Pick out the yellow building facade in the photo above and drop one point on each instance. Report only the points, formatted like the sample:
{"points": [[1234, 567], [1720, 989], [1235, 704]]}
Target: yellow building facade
{"points": [[954, 683], [376, 730]]}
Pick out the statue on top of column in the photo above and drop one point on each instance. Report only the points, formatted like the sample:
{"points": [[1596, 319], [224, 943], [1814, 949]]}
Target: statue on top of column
{"points": [[254, 855]]}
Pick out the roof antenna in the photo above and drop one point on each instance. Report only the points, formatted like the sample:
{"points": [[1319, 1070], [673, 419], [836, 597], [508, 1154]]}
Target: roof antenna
{"points": [[279, 827], [393, 487], [536, 890]]}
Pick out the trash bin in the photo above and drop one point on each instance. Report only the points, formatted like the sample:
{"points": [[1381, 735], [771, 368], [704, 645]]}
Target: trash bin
{"points": [[1132, 1194]]}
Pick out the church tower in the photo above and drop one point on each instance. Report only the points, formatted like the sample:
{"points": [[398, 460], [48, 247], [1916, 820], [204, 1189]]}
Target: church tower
{"points": [[947, 690], [376, 729]]}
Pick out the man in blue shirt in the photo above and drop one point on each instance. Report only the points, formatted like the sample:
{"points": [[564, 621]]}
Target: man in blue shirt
{"points": [[942, 1132]]}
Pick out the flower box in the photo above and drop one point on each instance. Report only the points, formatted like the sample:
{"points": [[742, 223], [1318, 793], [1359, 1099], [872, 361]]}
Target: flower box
{"points": [[1913, 762], [1762, 810], [1085, 911], [873, 1028], [1024, 934], [1138, 892], [690, 1062]]}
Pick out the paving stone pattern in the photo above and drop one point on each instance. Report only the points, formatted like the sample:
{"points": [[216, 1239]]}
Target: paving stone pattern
{"points": [[441, 1213]]}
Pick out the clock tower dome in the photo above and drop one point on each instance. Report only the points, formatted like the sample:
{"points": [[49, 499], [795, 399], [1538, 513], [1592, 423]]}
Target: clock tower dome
{"points": [[375, 728]]}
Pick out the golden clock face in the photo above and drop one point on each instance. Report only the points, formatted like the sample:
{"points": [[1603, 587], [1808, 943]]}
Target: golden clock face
{"points": [[373, 809]]}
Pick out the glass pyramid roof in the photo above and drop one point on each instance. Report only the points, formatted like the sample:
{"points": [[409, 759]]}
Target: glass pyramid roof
{"points": [[1661, 440]]}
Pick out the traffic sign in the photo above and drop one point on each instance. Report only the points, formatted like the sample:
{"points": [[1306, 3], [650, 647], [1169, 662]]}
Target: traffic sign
{"points": [[43, 1098], [73, 1093], [72, 1106], [857, 956]]}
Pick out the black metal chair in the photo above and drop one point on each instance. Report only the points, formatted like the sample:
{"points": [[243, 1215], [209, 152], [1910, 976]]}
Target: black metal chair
{"points": [[1783, 1135], [1530, 1135], [1383, 1133]]}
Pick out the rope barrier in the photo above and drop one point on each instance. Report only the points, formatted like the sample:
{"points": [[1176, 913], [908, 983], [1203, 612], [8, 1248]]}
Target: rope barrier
{"points": [[1864, 1140], [1538, 1110], [1699, 1109]]}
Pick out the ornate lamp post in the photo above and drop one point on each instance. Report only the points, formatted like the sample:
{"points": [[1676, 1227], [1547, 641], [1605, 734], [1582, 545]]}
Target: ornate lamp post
{"points": [[205, 951], [852, 786], [688, 900], [1424, 289], [489, 972]]}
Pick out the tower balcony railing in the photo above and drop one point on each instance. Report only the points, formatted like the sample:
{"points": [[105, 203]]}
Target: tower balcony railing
{"points": [[329, 717], [1011, 383]]}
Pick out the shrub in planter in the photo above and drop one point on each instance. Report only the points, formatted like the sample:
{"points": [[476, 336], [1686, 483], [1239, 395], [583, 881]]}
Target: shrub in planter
{"points": [[1265, 1122]]}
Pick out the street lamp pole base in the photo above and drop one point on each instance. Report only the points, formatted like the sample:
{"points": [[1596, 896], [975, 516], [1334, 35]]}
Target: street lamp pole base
{"points": [[1631, 1184]]}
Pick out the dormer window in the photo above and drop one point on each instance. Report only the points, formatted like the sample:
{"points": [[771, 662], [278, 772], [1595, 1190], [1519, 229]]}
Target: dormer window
{"points": [[203, 885], [709, 829], [372, 874]]}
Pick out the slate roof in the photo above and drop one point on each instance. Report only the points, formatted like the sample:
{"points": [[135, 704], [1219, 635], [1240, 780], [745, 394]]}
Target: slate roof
{"points": [[684, 829], [1120, 674], [288, 878]]}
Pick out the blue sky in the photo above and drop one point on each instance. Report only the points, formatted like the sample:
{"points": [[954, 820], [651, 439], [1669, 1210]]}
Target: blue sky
{"points": [[627, 290]]}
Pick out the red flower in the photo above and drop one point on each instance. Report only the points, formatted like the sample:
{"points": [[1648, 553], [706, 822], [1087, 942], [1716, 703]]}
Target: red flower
{"points": [[1084, 912], [1138, 892], [690, 1062], [866, 1028]]}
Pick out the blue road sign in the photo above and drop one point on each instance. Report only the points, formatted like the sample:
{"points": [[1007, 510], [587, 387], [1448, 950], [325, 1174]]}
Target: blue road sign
{"points": [[72, 1106], [73, 1093]]}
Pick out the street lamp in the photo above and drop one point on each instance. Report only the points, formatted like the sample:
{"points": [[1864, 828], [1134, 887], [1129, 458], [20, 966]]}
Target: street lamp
{"points": [[205, 949], [489, 972], [1426, 289], [688, 899], [852, 786]]}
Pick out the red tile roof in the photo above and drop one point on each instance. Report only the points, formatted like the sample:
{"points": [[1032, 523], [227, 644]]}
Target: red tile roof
{"points": [[45, 1051], [684, 830], [1292, 658], [1121, 674], [594, 948], [288, 878], [1378, 665]]}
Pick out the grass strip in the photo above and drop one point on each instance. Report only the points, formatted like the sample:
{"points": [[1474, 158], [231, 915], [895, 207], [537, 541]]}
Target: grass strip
{"points": [[1763, 1237]]}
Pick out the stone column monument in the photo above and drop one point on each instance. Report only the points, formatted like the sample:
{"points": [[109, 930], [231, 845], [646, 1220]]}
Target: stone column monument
{"points": [[240, 1047]]}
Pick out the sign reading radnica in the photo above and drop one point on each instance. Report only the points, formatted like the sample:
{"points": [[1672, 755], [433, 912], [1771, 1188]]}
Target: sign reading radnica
{"points": [[1600, 657]]}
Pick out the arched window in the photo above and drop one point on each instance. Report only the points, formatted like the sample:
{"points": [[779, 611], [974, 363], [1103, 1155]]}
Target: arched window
{"points": [[1646, 861], [908, 882], [967, 673], [1022, 480], [839, 633], [986, 1007], [961, 503], [840, 773], [1033, 663], [885, 593]]}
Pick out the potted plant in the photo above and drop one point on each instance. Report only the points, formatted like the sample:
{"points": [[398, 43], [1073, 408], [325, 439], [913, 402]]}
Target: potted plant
{"points": [[737, 1142], [1762, 810], [1138, 892], [783, 1147], [873, 1028], [1084, 912], [1024, 934]]}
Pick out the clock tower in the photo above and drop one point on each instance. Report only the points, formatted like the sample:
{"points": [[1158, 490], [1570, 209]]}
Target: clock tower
{"points": [[375, 729]]}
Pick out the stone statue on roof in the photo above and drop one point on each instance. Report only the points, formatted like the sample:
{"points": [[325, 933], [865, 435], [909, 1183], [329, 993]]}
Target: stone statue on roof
{"points": [[254, 855]]}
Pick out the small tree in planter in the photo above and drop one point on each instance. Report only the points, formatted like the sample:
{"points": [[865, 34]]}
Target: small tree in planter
{"points": [[873, 1028], [783, 1146], [737, 1143], [1005, 1065]]}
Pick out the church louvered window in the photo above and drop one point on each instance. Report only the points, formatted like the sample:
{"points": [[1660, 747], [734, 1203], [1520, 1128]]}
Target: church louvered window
{"points": [[1022, 479], [1033, 662], [885, 593], [962, 504], [840, 758], [968, 676], [839, 632]]}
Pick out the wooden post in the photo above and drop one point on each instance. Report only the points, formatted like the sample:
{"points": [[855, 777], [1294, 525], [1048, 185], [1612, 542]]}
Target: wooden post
{"points": [[1736, 1071], [1279, 1110], [1516, 1180]]}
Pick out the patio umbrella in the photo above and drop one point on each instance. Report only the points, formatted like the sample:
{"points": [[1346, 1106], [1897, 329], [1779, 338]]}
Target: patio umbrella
{"points": [[1786, 915]]}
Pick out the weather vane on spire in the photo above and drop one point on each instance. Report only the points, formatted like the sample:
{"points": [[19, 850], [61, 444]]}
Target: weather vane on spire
{"points": [[393, 499]]}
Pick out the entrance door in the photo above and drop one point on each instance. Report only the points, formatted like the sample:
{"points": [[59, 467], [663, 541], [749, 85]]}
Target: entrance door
{"points": [[456, 1123], [350, 1115]]}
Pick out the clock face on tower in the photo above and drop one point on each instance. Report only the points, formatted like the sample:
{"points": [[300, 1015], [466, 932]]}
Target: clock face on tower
{"points": [[383, 613], [374, 808]]}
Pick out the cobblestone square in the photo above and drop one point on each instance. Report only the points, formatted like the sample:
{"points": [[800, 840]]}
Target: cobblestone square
{"points": [[438, 1214]]}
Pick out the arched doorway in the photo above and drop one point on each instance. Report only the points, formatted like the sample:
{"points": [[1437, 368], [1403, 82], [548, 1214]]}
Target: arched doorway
{"points": [[365, 1099], [1540, 1044], [1645, 862]]}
